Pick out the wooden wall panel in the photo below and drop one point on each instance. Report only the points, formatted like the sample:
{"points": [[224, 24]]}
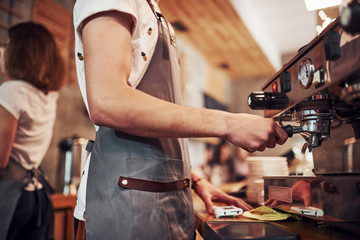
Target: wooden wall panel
{"points": [[58, 20]]}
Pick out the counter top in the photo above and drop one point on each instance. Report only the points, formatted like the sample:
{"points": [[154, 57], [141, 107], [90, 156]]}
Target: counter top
{"points": [[308, 228], [60, 200], [63, 215]]}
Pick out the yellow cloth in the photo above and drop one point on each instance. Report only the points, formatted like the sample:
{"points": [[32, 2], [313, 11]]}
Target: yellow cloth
{"points": [[266, 214]]}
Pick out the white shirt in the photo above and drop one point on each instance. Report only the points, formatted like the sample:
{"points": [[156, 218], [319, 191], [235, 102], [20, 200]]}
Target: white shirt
{"points": [[36, 113], [144, 38]]}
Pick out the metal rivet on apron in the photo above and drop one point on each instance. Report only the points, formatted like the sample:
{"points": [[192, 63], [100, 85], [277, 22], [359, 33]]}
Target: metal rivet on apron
{"points": [[149, 31], [173, 41], [81, 57], [124, 182], [144, 56]]}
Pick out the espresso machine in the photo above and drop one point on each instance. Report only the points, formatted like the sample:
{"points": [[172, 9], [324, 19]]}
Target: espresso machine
{"points": [[317, 95]]}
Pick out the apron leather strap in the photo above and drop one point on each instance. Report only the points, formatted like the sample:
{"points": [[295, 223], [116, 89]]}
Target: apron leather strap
{"points": [[89, 145], [153, 186], [154, 11]]}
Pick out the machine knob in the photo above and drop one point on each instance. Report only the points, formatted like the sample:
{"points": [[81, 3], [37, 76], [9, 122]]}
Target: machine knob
{"points": [[267, 100], [350, 18]]}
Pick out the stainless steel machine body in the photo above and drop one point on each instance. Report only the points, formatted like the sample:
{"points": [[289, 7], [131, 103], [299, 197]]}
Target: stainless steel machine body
{"points": [[318, 91]]}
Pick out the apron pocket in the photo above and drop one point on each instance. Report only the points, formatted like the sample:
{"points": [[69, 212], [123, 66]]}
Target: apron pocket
{"points": [[159, 215], [155, 168]]}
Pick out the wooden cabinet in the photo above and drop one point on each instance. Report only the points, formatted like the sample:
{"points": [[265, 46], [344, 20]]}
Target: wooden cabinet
{"points": [[63, 217]]}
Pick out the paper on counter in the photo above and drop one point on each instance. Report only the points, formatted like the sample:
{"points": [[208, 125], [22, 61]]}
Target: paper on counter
{"points": [[265, 213]]}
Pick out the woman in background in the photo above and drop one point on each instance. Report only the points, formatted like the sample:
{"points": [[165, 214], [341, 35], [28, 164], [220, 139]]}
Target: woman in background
{"points": [[27, 115]]}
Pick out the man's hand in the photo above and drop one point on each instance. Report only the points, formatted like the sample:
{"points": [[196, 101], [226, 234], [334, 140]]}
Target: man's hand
{"points": [[209, 194], [254, 133]]}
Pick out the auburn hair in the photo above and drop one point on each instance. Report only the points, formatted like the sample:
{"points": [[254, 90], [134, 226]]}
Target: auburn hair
{"points": [[32, 56]]}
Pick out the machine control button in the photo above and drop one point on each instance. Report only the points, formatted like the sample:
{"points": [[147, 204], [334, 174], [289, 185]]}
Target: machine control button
{"points": [[274, 87], [319, 77], [332, 45], [350, 18], [285, 82]]}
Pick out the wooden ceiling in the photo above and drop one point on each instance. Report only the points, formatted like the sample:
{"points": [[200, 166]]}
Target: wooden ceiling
{"points": [[214, 28]]}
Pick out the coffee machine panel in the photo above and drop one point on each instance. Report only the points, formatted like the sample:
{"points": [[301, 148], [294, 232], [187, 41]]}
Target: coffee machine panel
{"points": [[318, 93]]}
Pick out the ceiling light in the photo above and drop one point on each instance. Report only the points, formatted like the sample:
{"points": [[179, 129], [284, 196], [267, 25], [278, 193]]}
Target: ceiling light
{"points": [[312, 5]]}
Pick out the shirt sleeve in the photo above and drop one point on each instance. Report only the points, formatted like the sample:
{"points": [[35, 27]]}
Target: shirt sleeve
{"points": [[86, 8], [11, 99]]}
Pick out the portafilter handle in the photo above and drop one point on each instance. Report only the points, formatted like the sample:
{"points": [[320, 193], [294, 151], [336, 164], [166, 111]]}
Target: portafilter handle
{"points": [[309, 144], [291, 130]]}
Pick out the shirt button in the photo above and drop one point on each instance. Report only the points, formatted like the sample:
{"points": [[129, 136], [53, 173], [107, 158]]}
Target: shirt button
{"points": [[80, 56], [144, 56]]}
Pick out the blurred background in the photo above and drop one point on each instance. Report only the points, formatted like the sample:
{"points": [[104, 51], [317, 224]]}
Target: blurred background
{"points": [[228, 49]]}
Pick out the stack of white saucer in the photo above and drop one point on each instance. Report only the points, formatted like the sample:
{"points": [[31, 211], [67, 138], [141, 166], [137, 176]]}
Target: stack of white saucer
{"points": [[259, 167]]}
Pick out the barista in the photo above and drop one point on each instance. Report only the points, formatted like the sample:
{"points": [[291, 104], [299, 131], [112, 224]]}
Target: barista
{"points": [[27, 116], [139, 171]]}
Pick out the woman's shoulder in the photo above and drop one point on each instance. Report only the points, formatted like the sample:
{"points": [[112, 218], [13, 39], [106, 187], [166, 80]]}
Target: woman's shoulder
{"points": [[17, 86], [12, 96], [12, 85]]}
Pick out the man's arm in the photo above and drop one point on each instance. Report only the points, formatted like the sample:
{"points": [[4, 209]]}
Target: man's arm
{"points": [[8, 125], [113, 103]]}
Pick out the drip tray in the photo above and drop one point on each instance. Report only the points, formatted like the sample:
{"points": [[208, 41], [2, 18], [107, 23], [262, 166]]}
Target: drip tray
{"points": [[247, 230]]}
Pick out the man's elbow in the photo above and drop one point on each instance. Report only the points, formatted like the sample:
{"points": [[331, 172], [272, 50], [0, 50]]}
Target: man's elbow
{"points": [[104, 112], [102, 117], [97, 116]]}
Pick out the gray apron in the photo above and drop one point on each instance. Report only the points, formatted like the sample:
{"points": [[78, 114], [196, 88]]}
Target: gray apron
{"points": [[13, 179], [114, 212], [11, 188]]}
